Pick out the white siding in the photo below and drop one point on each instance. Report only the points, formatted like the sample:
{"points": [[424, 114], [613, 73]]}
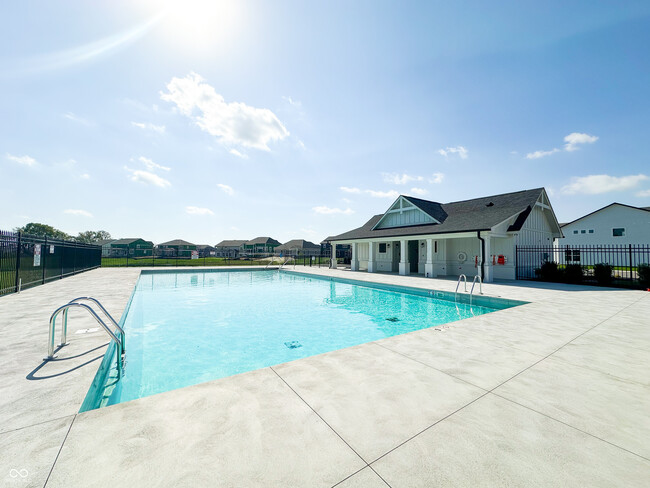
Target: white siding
{"points": [[406, 217], [636, 223], [537, 230]]}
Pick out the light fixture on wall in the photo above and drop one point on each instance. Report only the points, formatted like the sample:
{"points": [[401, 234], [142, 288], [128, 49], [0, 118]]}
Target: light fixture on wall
{"points": [[422, 244]]}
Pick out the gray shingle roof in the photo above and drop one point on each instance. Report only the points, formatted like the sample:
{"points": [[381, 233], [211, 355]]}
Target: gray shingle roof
{"points": [[176, 242], [463, 216], [297, 244], [129, 240], [231, 243], [262, 240]]}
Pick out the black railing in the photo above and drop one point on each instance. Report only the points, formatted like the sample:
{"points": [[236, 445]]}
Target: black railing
{"points": [[628, 262], [184, 258], [27, 260]]}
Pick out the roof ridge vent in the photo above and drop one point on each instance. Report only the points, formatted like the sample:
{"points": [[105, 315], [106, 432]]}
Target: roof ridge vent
{"points": [[489, 204]]}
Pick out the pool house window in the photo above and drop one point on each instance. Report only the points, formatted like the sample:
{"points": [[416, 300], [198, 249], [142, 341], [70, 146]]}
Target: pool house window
{"points": [[618, 232], [382, 247]]}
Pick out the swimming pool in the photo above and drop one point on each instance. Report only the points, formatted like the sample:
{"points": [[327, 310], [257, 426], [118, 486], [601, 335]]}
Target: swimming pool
{"points": [[187, 327]]}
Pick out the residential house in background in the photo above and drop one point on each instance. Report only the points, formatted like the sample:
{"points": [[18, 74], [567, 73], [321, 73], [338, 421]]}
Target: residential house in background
{"points": [[206, 251], [616, 223], [298, 247], [260, 245], [106, 248], [176, 248], [132, 247], [229, 248], [477, 236]]}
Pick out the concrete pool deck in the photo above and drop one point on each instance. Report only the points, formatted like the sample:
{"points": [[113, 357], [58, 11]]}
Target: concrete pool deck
{"points": [[552, 393]]}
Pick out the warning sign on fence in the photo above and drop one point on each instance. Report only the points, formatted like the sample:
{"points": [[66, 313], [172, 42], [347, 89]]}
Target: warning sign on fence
{"points": [[51, 248], [37, 254], [195, 254]]}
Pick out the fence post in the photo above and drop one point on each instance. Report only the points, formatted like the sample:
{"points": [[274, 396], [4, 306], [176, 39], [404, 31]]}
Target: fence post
{"points": [[630, 250], [18, 260], [43, 254]]}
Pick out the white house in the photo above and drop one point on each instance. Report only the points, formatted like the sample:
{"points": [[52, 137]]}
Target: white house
{"points": [[478, 236], [614, 224]]}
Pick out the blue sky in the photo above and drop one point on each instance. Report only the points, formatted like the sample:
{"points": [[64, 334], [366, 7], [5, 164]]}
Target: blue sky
{"points": [[230, 120]]}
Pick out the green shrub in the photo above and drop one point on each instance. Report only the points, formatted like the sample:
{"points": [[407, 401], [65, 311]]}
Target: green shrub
{"points": [[573, 273], [644, 274], [549, 272], [603, 273]]}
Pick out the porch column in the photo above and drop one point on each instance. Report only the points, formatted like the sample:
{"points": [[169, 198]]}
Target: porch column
{"points": [[354, 264], [333, 256], [487, 260], [404, 266], [371, 257], [428, 265]]}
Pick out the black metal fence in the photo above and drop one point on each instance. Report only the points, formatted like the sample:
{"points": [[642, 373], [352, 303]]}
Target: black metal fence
{"points": [[183, 259], [27, 261], [625, 260]]}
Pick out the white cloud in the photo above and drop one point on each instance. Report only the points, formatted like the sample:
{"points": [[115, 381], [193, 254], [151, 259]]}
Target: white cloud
{"points": [[541, 154], [198, 211], [228, 190], [347, 189], [576, 138], [383, 194], [595, 184], [295, 103], [346, 200], [419, 191], [301, 144], [151, 166], [160, 129], [398, 179], [437, 178], [235, 152], [147, 178], [643, 193], [25, 160], [76, 118], [80, 213], [232, 123], [328, 211], [84, 176], [573, 140], [460, 150]]}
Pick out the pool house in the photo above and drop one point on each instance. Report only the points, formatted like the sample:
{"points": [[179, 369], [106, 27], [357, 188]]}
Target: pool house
{"points": [[431, 239]]}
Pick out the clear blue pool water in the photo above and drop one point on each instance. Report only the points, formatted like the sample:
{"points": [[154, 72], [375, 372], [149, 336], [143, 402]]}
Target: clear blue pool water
{"points": [[189, 327]]}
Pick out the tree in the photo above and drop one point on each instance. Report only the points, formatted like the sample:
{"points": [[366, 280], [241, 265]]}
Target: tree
{"points": [[42, 230], [92, 236]]}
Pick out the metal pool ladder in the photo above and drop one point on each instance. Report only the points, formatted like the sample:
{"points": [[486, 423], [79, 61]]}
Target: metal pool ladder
{"points": [[480, 288], [288, 259], [119, 342], [464, 278]]}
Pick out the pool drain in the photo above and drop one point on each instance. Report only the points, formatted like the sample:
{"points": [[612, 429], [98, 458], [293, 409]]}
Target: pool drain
{"points": [[293, 344], [392, 319]]}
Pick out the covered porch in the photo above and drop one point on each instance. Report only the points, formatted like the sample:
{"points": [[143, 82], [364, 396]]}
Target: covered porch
{"points": [[433, 256]]}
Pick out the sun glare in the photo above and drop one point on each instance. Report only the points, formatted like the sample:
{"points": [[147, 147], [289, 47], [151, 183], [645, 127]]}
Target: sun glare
{"points": [[200, 24]]}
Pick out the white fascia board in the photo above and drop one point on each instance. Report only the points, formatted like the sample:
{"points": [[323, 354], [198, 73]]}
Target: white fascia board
{"points": [[455, 235]]}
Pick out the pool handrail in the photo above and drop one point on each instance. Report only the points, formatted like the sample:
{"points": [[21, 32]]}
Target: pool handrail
{"points": [[458, 284], [480, 287], [64, 309], [110, 317]]}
